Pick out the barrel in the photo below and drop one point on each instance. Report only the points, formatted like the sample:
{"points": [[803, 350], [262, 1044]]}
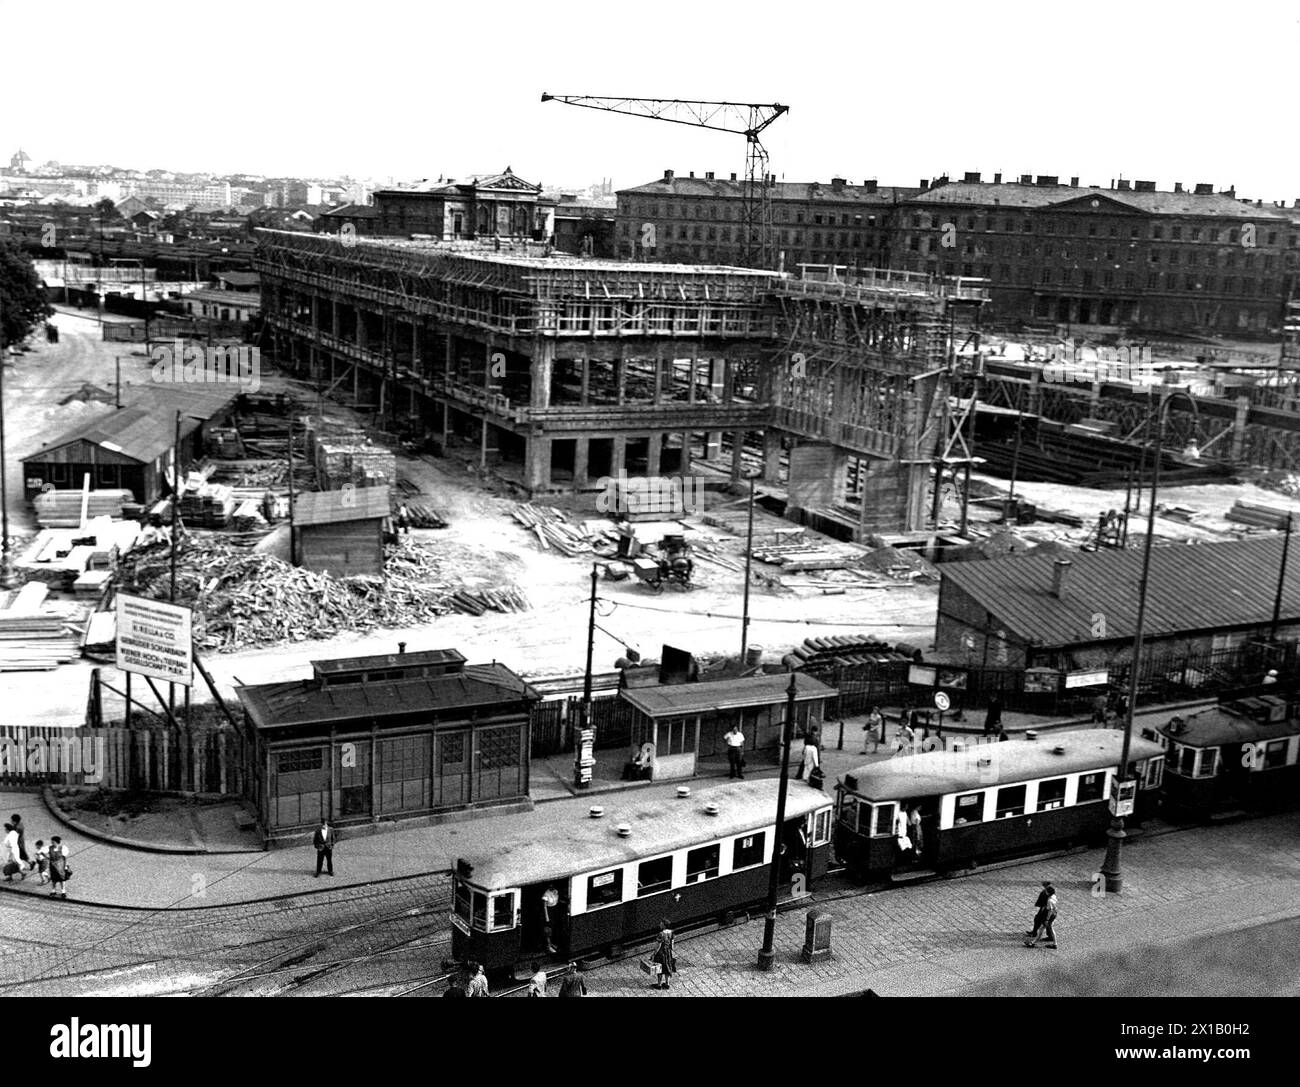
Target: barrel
{"points": [[753, 656]]}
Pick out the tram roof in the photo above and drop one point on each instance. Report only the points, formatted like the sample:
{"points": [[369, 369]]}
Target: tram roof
{"points": [[1213, 727], [659, 825], [938, 773]]}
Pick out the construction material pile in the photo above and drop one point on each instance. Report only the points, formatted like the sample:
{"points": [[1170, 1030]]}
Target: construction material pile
{"points": [[246, 598], [34, 635], [209, 505], [796, 557], [1249, 513], [846, 649], [57, 556], [553, 529], [902, 563], [347, 454], [62, 509]]}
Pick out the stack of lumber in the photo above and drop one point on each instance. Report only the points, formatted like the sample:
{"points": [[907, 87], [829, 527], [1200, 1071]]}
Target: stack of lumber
{"points": [[793, 558], [553, 529], [209, 505], [247, 516], [712, 553], [34, 637], [425, 516], [476, 603], [348, 455], [1257, 516], [62, 509]]}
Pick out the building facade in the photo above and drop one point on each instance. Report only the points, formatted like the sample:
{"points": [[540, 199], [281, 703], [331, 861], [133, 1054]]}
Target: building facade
{"points": [[500, 206]]}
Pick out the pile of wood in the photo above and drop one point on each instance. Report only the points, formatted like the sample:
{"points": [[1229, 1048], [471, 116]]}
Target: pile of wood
{"points": [[33, 636], [62, 509], [553, 529], [1257, 516], [793, 558], [209, 505], [425, 516], [845, 649], [476, 603]]}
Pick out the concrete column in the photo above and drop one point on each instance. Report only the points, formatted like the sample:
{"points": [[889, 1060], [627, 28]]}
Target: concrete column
{"points": [[537, 464], [771, 457], [482, 444], [334, 317], [728, 375], [715, 380], [448, 357], [695, 358], [586, 380], [542, 366], [620, 374], [363, 340], [417, 359], [737, 449], [653, 449], [617, 455], [581, 447], [315, 313], [659, 375], [446, 424], [686, 453], [713, 445]]}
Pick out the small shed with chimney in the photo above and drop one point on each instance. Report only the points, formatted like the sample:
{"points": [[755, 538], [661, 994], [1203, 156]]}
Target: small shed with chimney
{"points": [[1079, 613]]}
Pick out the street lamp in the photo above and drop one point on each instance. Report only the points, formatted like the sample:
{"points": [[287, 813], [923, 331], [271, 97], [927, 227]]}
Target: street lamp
{"points": [[767, 953], [1115, 835]]}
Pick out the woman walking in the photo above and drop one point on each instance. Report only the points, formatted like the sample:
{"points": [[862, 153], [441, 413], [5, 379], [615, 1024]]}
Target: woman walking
{"points": [[59, 870], [663, 955], [13, 862]]}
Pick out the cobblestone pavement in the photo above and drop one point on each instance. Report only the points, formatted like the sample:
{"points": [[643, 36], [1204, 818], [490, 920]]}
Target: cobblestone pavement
{"points": [[943, 937]]}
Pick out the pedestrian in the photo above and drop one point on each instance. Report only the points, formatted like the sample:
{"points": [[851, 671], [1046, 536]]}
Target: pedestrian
{"points": [[1100, 705], [324, 840], [573, 983], [17, 821], [1044, 918], [906, 737], [663, 955], [477, 984], [914, 828], [901, 841], [993, 718], [735, 751], [59, 870], [13, 865], [537, 983], [404, 519], [456, 983], [874, 729], [812, 759], [42, 862]]}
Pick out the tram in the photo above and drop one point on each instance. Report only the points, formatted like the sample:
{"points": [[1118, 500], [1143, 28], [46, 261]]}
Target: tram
{"points": [[603, 880], [1241, 753], [988, 801]]}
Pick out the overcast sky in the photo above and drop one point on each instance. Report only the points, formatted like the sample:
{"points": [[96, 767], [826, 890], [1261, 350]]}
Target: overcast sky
{"points": [[1151, 89]]}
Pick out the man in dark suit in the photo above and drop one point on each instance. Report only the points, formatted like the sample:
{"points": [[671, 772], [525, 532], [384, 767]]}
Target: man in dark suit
{"points": [[323, 840]]}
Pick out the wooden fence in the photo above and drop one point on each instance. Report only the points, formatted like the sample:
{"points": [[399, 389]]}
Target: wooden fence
{"points": [[555, 723]]}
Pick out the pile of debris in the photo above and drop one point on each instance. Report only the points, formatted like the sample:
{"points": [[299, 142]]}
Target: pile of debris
{"points": [[246, 598], [902, 563], [553, 529], [35, 636]]}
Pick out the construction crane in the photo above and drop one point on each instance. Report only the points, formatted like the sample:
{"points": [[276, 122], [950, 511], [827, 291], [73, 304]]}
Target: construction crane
{"points": [[749, 119]]}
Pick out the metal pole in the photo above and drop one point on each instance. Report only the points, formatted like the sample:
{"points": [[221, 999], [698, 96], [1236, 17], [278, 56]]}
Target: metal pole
{"points": [[1110, 868], [749, 558], [293, 550], [767, 954], [118, 381], [1281, 581], [586, 684], [176, 504], [6, 558], [1015, 453]]}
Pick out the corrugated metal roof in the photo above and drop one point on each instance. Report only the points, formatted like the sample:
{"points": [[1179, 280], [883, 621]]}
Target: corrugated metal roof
{"points": [[1010, 762], [1016, 195], [304, 702], [1192, 587], [138, 432], [723, 694], [1213, 727], [523, 855], [332, 507]]}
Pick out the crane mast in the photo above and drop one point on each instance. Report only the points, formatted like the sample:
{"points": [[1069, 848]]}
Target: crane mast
{"points": [[749, 119]]}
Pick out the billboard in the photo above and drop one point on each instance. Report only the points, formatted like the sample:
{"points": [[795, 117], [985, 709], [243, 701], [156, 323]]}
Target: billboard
{"points": [[155, 639]]}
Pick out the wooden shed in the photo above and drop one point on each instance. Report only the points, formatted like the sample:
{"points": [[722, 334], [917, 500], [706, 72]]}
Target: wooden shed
{"points": [[341, 532]]}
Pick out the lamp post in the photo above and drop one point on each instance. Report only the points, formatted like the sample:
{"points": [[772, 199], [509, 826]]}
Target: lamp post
{"points": [[1110, 868], [6, 558], [767, 953]]}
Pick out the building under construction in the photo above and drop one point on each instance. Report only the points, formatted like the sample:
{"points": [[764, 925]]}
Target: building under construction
{"points": [[566, 370]]}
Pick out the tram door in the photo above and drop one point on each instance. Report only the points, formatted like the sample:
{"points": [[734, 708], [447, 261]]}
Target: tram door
{"points": [[545, 919], [1235, 761], [928, 808]]}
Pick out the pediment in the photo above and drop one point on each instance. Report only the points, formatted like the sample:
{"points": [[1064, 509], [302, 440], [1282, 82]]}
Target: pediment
{"points": [[1098, 202]]}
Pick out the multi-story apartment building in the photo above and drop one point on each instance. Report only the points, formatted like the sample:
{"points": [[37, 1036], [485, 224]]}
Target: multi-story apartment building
{"points": [[210, 194], [700, 220]]}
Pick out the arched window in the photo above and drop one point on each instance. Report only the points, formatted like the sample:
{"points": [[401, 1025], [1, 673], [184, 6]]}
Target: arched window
{"points": [[484, 223]]}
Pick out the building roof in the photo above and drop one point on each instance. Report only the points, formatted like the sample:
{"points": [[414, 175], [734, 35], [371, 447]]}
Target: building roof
{"points": [[794, 191], [353, 211], [523, 855], [240, 279], [1023, 195], [1228, 725], [507, 180], [195, 400], [1234, 586], [726, 694], [304, 702], [334, 507], [228, 298], [140, 433], [1009, 762], [420, 658]]}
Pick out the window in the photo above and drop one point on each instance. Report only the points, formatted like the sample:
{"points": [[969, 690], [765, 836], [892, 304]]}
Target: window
{"points": [[1155, 773], [1272, 237], [969, 809], [884, 825], [1196, 235], [747, 852], [503, 911], [1209, 763], [1092, 230], [1186, 759], [1157, 232], [58, 473], [1090, 787], [654, 876], [702, 863], [605, 889], [1275, 754], [478, 915], [1011, 801], [822, 828], [850, 807], [674, 736], [294, 762], [1175, 232], [1051, 794]]}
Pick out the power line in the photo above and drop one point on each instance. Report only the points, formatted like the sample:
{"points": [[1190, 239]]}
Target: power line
{"points": [[753, 619]]}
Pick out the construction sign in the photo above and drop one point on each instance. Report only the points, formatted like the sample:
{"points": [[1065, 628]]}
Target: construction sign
{"points": [[155, 639]]}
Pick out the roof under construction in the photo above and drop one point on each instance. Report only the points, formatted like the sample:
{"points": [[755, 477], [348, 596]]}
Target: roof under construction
{"points": [[334, 507]]}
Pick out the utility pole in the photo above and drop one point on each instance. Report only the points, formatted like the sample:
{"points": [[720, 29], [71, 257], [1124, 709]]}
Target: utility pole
{"points": [[581, 749], [1281, 582], [293, 550], [118, 381], [767, 953], [749, 558], [6, 558]]}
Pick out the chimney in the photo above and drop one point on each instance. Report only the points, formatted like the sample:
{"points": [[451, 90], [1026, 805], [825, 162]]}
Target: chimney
{"points": [[971, 176], [401, 647], [997, 179], [1074, 182], [692, 173], [1204, 188], [1026, 179], [1144, 186], [870, 184], [668, 175], [1178, 186], [708, 176], [925, 182], [1048, 179], [1060, 577], [733, 177], [837, 184], [1122, 185]]}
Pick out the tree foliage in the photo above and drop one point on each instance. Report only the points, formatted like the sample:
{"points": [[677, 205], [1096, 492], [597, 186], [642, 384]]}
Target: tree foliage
{"points": [[22, 299]]}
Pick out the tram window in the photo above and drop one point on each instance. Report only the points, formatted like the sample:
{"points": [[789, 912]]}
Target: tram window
{"points": [[1155, 773], [1051, 794], [849, 808], [462, 899], [822, 828], [747, 852], [884, 827], [1275, 754], [1209, 763], [1187, 763], [969, 809], [703, 863], [1011, 801], [1090, 787], [503, 911], [654, 876], [479, 913], [605, 889]]}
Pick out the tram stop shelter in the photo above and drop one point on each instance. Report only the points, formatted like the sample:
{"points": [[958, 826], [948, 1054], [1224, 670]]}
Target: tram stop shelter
{"points": [[370, 740], [687, 722]]}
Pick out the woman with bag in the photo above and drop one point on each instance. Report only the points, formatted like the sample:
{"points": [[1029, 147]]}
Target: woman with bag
{"points": [[59, 870], [13, 864], [663, 955]]}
